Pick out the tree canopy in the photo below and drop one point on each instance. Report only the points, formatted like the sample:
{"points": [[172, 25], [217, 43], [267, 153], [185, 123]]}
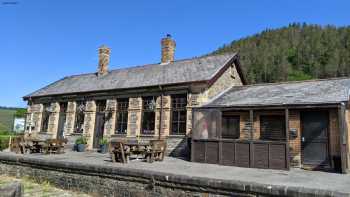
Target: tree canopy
{"points": [[296, 52]]}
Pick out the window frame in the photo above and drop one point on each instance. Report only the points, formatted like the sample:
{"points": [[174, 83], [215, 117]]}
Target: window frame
{"points": [[146, 109], [179, 104], [122, 111], [79, 115], [238, 127], [269, 135]]}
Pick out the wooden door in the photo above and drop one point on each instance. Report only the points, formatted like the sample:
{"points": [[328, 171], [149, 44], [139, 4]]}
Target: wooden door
{"points": [[99, 128], [315, 138]]}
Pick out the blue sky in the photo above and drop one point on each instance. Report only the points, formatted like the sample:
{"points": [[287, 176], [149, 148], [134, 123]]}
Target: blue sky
{"points": [[44, 40]]}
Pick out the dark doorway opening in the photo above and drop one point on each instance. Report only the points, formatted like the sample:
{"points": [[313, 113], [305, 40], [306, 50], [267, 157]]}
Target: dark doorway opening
{"points": [[99, 122], [314, 141], [62, 120]]}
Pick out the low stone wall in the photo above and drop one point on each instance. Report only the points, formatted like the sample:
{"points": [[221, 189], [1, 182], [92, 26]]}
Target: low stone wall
{"points": [[102, 180]]}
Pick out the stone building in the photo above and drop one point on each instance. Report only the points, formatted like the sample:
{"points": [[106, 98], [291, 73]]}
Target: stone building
{"points": [[280, 125], [148, 101]]}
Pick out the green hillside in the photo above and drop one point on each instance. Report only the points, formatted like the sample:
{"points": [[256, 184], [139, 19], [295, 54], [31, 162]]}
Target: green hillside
{"points": [[296, 52], [6, 119]]}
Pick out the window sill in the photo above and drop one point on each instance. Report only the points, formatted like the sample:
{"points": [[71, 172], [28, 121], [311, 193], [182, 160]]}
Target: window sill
{"points": [[119, 135], [177, 136]]}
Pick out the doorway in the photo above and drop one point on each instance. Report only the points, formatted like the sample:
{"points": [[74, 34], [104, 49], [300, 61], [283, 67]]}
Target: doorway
{"points": [[62, 120], [99, 122], [314, 139]]}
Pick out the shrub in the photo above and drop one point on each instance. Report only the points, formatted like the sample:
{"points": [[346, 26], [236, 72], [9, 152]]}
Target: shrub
{"points": [[103, 141], [81, 140], [4, 142]]}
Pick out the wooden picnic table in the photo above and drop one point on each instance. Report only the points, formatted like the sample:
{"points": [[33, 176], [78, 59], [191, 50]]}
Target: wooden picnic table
{"points": [[33, 145]]}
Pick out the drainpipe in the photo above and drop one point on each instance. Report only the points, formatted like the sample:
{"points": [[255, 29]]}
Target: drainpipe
{"points": [[161, 112]]}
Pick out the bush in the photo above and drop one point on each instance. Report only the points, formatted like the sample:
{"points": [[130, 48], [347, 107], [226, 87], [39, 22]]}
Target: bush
{"points": [[103, 141], [4, 142], [81, 140]]}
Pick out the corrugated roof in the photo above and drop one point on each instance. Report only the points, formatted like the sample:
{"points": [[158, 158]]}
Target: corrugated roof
{"points": [[290, 93], [181, 71]]}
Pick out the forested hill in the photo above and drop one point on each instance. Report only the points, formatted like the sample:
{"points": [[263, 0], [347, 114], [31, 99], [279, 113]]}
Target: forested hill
{"points": [[296, 52]]}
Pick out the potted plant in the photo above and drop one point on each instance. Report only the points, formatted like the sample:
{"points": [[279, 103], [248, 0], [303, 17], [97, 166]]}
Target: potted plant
{"points": [[103, 145], [80, 144]]}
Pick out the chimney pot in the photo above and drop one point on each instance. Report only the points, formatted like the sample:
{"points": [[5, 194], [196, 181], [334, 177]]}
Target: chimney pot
{"points": [[103, 59], [168, 49]]}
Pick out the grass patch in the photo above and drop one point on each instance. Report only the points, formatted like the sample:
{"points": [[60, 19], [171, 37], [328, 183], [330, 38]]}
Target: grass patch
{"points": [[6, 119]]}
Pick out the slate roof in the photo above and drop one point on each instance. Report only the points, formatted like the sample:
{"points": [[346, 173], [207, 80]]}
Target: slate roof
{"points": [[177, 72], [290, 93]]}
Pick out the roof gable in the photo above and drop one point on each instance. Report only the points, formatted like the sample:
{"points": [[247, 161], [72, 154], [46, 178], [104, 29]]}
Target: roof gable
{"points": [[181, 71]]}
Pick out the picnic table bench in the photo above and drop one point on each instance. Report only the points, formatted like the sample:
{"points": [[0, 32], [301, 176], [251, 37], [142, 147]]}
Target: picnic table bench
{"points": [[153, 150]]}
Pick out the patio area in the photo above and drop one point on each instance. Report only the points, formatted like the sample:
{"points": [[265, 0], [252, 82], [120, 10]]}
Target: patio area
{"points": [[295, 178]]}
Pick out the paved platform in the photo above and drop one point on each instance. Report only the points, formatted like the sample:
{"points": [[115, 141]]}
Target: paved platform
{"points": [[322, 182]]}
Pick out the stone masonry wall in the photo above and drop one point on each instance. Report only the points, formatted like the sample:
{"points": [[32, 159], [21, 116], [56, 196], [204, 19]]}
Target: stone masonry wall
{"points": [[111, 106], [89, 122], [53, 119], [70, 117], [228, 79], [34, 117], [165, 116], [134, 116], [105, 181]]}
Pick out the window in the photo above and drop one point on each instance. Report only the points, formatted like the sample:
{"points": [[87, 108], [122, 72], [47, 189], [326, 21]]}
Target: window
{"points": [[63, 107], [100, 105], [148, 115], [230, 127], [272, 127], [179, 114], [45, 118], [79, 117], [122, 116]]}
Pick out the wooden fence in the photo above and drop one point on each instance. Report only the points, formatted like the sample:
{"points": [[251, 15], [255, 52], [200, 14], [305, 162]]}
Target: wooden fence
{"points": [[242, 153]]}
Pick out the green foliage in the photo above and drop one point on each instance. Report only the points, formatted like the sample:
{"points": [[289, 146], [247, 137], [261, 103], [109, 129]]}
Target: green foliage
{"points": [[21, 113], [81, 140], [4, 141], [296, 52], [103, 141], [6, 119]]}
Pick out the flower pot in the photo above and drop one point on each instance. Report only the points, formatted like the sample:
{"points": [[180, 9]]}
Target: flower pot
{"points": [[103, 148], [81, 147]]}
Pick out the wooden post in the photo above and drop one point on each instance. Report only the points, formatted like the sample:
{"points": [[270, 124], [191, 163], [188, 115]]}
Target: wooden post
{"points": [[287, 138], [343, 131], [251, 120]]}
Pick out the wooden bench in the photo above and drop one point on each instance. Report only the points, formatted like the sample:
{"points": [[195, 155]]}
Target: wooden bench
{"points": [[16, 144], [119, 152], [156, 151], [54, 146]]}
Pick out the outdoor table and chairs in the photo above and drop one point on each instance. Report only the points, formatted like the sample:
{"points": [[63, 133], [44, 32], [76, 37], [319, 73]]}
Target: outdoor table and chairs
{"points": [[153, 150], [33, 144]]}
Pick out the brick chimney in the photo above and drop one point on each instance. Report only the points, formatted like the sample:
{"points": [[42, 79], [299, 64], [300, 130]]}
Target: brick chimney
{"points": [[168, 49], [103, 59]]}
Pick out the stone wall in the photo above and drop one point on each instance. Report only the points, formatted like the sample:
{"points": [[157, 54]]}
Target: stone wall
{"points": [[34, 117], [134, 116], [111, 106], [101, 180], [89, 122], [70, 117], [228, 79], [295, 142], [53, 119]]}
